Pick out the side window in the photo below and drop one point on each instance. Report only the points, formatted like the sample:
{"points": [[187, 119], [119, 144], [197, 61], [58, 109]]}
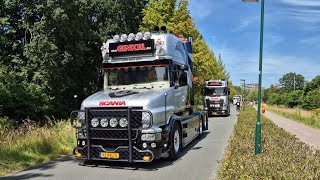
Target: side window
{"points": [[183, 80], [179, 77]]}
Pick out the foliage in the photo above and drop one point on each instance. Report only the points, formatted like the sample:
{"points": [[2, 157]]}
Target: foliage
{"points": [[176, 17], [306, 97], [291, 80], [35, 144], [312, 99], [157, 13], [283, 156], [49, 51], [311, 118], [252, 96]]}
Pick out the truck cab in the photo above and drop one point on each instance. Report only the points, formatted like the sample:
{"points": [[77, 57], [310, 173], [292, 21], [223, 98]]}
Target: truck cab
{"points": [[145, 109], [216, 94]]}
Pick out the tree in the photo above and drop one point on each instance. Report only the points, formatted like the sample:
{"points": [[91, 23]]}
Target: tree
{"points": [[157, 13], [312, 99], [178, 20], [291, 80], [294, 98], [313, 84], [51, 50], [224, 70]]}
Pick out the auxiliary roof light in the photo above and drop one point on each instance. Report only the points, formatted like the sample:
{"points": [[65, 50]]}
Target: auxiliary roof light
{"points": [[139, 36], [116, 38], [147, 35], [131, 37], [123, 37]]}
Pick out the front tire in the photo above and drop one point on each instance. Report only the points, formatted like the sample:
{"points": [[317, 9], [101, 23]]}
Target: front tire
{"points": [[176, 142]]}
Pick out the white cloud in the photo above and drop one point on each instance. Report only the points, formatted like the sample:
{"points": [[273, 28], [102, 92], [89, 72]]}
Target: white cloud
{"points": [[201, 9], [302, 2], [246, 22], [245, 65]]}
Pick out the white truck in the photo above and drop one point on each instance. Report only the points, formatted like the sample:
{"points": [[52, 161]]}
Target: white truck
{"points": [[216, 93], [236, 98], [145, 109]]}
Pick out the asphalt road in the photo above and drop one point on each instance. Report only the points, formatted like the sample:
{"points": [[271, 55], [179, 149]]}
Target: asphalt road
{"points": [[199, 160]]}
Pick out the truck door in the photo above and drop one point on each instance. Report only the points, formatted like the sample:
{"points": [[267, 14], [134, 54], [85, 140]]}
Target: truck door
{"points": [[180, 88]]}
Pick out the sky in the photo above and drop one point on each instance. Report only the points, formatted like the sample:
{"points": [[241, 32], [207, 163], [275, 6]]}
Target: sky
{"points": [[291, 37]]}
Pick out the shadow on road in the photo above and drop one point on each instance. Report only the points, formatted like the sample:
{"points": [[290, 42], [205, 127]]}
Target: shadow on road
{"points": [[152, 166], [41, 167]]}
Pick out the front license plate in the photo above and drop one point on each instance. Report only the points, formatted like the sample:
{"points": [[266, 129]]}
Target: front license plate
{"points": [[109, 155]]}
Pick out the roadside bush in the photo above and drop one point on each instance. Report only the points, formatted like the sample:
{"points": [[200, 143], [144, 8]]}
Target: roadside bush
{"points": [[283, 156], [31, 144]]}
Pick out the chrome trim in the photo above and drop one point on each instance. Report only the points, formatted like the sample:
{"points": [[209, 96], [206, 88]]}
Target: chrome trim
{"points": [[152, 130]]}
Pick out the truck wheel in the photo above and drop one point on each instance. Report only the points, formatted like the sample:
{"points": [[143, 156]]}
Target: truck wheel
{"points": [[200, 128], [176, 142], [207, 122]]}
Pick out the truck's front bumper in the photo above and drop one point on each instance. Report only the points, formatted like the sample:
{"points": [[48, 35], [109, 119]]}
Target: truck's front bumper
{"points": [[119, 154]]}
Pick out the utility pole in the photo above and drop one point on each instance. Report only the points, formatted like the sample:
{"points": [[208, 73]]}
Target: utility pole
{"points": [[257, 149], [294, 81]]}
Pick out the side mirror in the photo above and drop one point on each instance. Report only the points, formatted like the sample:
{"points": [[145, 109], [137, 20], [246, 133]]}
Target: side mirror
{"points": [[100, 80], [184, 67]]}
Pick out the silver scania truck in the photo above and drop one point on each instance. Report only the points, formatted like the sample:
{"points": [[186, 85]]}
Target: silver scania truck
{"points": [[216, 94], [145, 109]]}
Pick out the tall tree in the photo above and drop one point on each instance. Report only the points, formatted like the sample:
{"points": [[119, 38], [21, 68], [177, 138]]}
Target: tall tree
{"points": [[180, 22], [291, 81], [158, 13], [51, 51]]}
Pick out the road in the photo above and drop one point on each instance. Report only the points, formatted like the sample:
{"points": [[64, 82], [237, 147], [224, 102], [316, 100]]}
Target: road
{"points": [[199, 160]]}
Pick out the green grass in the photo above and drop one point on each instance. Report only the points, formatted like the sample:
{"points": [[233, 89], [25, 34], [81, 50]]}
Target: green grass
{"points": [[31, 144], [310, 118], [283, 156]]}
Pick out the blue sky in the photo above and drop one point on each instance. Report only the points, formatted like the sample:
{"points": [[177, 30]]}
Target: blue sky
{"points": [[291, 36]]}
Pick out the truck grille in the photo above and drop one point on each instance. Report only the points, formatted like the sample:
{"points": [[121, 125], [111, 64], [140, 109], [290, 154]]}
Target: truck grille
{"points": [[112, 134], [113, 139]]}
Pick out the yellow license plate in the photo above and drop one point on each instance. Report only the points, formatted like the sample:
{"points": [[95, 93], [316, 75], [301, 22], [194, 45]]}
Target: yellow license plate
{"points": [[109, 155]]}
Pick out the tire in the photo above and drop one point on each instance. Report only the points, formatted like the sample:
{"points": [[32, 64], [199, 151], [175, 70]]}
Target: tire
{"points": [[176, 142], [200, 128], [207, 122]]}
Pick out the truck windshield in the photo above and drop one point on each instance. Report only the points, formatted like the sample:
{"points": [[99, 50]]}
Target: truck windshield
{"points": [[137, 75], [220, 91]]}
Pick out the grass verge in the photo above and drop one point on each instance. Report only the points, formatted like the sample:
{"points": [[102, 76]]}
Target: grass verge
{"points": [[31, 144], [310, 118], [283, 156]]}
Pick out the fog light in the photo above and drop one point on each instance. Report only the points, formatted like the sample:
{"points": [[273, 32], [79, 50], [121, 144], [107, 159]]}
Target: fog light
{"points": [[144, 145], [146, 158], [153, 145], [83, 143], [77, 154]]}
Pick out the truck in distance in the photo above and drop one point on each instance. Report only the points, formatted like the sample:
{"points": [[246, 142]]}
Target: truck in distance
{"points": [[216, 94], [145, 109], [236, 98]]}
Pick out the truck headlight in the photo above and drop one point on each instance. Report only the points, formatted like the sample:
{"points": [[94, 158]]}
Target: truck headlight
{"points": [[123, 122], [151, 137], [113, 122], [77, 119], [146, 119], [94, 122]]}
